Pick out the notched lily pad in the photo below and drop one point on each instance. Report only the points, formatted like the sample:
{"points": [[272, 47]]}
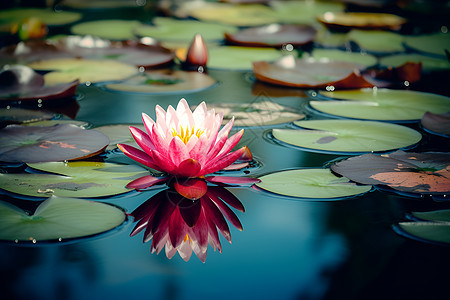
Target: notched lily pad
{"points": [[417, 173], [49, 143], [347, 136], [319, 184], [58, 220], [310, 73], [73, 179]]}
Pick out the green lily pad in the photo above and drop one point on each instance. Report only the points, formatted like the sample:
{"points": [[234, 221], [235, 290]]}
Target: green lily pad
{"points": [[426, 231], [48, 16], [435, 43], [310, 183], [80, 179], [183, 30], [80, 124], [328, 38], [164, 81], [436, 215], [119, 134], [428, 63], [339, 55], [377, 41], [347, 136], [239, 58], [303, 12], [107, 29], [58, 219], [19, 116], [86, 70], [49, 143], [382, 104]]}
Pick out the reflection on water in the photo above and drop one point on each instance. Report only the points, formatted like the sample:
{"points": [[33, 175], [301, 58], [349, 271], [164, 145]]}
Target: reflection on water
{"points": [[183, 225]]}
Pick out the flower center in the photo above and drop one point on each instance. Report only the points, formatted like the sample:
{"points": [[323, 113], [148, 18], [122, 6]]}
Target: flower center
{"points": [[186, 134]]}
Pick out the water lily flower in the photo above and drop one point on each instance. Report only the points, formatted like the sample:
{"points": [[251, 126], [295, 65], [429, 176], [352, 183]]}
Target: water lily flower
{"points": [[181, 225], [185, 144]]}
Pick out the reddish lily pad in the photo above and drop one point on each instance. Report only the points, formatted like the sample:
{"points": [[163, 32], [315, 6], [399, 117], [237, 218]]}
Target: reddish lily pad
{"points": [[263, 113], [347, 136], [164, 81], [86, 70], [49, 143], [361, 20], [318, 184], [57, 220], [310, 73], [273, 35], [417, 173], [22, 83], [82, 179], [437, 123]]}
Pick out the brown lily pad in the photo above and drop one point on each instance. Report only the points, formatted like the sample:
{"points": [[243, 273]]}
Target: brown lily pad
{"points": [[361, 20], [418, 173], [49, 143], [22, 83], [310, 73], [273, 35], [437, 123], [17, 116]]}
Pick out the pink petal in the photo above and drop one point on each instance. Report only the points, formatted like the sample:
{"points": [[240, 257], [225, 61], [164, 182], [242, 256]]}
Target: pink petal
{"points": [[212, 212], [190, 211], [192, 188], [226, 196], [230, 143], [227, 212], [163, 163], [221, 139], [185, 250], [139, 156], [236, 166], [188, 168], [142, 139], [145, 182], [177, 151], [177, 228], [148, 122], [218, 164], [231, 180]]}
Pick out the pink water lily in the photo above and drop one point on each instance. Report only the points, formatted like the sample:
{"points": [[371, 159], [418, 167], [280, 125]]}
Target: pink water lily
{"points": [[182, 143]]}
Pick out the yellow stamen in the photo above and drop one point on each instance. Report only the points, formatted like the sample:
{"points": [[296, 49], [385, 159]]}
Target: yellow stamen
{"points": [[185, 135]]}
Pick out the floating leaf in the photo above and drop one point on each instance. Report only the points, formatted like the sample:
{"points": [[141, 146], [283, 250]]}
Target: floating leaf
{"points": [[436, 215], [273, 35], [303, 12], [119, 134], [437, 123], [261, 113], [310, 183], [382, 104], [49, 143], [377, 40], [310, 73], [239, 58], [164, 81], [18, 116], [435, 43], [348, 136], [360, 58], [80, 124], [425, 231], [361, 20], [419, 173], [50, 17], [58, 219], [107, 29], [86, 70], [182, 30], [428, 63], [75, 179]]}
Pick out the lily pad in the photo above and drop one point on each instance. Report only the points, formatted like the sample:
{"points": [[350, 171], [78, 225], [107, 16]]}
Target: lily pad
{"points": [[263, 113], [418, 173], [347, 136], [377, 40], [86, 70], [57, 220], [107, 29], [81, 179], [18, 116], [183, 30], [360, 58], [49, 143], [310, 73], [361, 20], [22, 83], [425, 231], [239, 58], [318, 184], [164, 81], [119, 134], [49, 16], [437, 123], [435, 43], [435, 215], [382, 104], [273, 35], [80, 124], [428, 63]]}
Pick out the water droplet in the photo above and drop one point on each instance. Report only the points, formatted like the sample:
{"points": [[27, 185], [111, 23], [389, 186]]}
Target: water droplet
{"points": [[444, 29], [141, 69], [200, 69], [330, 88], [406, 83], [59, 239], [39, 105], [39, 101], [8, 107], [88, 83], [16, 241]]}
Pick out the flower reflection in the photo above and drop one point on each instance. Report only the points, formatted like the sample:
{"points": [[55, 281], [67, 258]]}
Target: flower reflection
{"points": [[186, 226], [185, 144]]}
